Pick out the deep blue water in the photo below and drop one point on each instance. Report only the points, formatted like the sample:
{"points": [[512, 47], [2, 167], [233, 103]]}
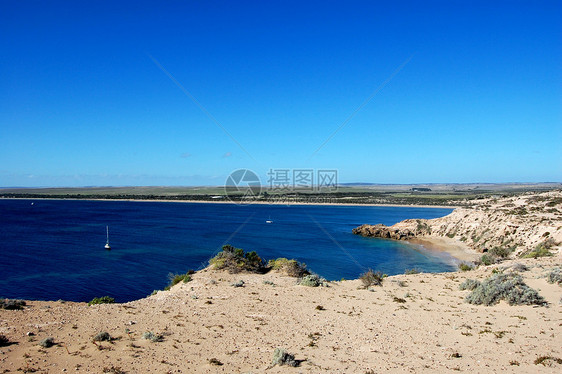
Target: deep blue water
{"points": [[53, 249]]}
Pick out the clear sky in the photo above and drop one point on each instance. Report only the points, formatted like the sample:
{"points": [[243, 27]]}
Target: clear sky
{"points": [[98, 92]]}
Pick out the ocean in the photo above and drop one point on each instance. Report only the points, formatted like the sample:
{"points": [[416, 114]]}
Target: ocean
{"points": [[54, 249]]}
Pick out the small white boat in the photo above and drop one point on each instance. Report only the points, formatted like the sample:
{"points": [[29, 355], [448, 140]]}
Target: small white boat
{"points": [[269, 220], [107, 246]]}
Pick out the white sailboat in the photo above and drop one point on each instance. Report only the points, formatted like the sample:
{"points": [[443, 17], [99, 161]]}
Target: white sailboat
{"points": [[107, 246], [269, 220]]}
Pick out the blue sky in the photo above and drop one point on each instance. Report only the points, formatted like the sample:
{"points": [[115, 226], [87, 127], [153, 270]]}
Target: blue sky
{"points": [[473, 91]]}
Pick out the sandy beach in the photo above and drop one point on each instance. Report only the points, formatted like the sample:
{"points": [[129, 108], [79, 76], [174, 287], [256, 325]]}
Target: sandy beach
{"points": [[455, 248], [282, 202]]}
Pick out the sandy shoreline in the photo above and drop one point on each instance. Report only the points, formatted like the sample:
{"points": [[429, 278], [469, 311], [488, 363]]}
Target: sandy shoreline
{"points": [[456, 249], [243, 204]]}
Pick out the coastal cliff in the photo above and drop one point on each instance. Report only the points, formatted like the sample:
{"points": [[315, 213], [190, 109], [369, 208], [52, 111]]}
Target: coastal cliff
{"points": [[517, 224]]}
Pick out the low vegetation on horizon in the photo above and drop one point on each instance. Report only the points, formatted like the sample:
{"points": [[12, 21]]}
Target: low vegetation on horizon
{"points": [[427, 194]]}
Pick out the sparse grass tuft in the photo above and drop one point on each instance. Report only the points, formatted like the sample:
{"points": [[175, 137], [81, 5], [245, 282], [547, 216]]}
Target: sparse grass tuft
{"points": [[235, 260], [508, 287], [555, 276], [102, 300], [282, 357], [176, 278], [547, 360], [411, 271], [465, 267], [292, 268], [372, 278]]}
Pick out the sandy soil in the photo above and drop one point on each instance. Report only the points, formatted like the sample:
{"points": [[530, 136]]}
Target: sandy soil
{"points": [[412, 323]]}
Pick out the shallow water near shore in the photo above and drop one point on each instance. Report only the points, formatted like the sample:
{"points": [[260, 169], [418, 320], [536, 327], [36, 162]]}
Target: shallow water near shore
{"points": [[54, 249]]}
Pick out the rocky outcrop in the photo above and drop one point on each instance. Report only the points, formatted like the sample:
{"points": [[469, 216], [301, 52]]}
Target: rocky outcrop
{"points": [[404, 230], [517, 223]]}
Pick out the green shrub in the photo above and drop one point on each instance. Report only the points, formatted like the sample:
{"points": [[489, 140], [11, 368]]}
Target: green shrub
{"points": [[292, 268], [176, 278], [423, 227], [235, 260], [541, 250], [488, 259], [102, 336], [11, 304], [372, 278], [411, 271], [465, 267], [469, 284], [282, 357], [47, 342], [501, 252], [508, 287], [555, 276], [102, 300], [538, 252], [149, 335], [312, 280]]}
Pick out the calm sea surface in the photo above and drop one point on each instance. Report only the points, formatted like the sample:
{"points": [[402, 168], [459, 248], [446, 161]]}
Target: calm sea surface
{"points": [[53, 249]]}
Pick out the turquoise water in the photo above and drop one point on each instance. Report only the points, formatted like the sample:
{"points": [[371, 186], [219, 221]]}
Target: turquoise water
{"points": [[53, 249]]}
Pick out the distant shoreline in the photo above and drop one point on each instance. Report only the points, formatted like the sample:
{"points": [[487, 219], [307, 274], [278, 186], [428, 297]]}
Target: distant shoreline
{"points": [[242, 204]]}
